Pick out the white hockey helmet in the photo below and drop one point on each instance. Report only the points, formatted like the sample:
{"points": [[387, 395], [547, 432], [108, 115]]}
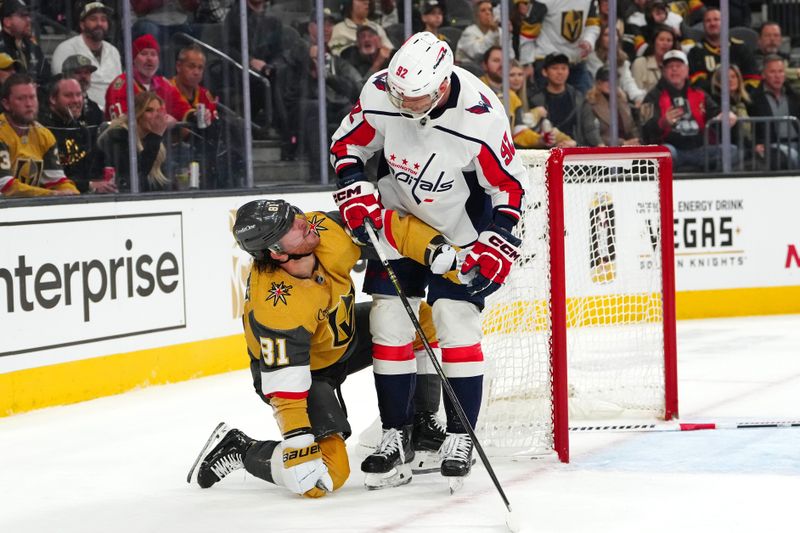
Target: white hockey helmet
{"points": [[418, 69]]}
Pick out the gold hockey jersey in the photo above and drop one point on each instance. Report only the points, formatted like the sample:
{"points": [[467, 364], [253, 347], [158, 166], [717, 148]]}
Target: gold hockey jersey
{"points": [[29, 163], [294, 326]]}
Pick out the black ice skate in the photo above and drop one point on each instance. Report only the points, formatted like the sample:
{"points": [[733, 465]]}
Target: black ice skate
{"points": [[427, 439], [456, 459], [389, 465], [221, 455]]}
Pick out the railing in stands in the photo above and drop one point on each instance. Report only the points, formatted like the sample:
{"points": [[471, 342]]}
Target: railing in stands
{"points": [[253, 74], [782, 151]]}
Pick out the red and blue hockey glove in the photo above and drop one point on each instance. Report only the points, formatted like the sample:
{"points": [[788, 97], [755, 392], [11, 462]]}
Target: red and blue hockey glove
{"points": [[492, 255], [357, 201]]}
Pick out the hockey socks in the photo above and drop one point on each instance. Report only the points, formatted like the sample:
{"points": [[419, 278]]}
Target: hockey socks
{"points": [[395, 369], [463, 367]]}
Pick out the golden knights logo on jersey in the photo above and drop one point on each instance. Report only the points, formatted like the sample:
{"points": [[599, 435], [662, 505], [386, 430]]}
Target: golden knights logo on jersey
{"points": [[315, 224], [278, 293], [572, 25], [341, 319], [28, 170]]}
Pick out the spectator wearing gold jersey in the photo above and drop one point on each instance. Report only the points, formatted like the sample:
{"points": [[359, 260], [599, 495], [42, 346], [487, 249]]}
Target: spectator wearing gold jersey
{"points": [[29, 163]]}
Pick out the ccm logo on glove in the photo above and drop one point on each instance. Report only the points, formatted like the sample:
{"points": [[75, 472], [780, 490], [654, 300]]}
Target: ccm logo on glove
{"points": [[344, 194], [503, 247]]}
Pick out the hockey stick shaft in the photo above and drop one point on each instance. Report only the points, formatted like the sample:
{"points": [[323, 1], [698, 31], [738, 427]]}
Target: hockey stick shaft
{"points": [[462, 416], [684, 426]]}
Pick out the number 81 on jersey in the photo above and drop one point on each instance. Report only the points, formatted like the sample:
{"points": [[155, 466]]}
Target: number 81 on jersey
{"points": [[269, 347]]}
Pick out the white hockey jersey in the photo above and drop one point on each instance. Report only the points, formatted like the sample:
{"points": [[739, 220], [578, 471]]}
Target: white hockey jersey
{"points": [[558, 26], [428, 160]]}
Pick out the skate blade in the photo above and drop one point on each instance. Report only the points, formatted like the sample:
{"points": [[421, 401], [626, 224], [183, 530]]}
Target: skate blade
{"points": [[212, 441], [455, 484], [397, 476], [426, 462]]}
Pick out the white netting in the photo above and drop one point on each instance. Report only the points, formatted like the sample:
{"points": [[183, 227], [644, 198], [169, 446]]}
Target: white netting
{"points": [[614, 305]]}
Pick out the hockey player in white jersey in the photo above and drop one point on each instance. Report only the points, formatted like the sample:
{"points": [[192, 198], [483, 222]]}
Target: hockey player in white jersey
{"points": [[446, 156], [569, 27]]}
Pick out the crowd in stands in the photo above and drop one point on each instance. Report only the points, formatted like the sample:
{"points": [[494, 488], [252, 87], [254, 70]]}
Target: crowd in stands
{"points": [[64, 127]]}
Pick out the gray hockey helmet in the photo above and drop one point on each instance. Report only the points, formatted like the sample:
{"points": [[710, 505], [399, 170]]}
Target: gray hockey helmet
{"points": [[260, 224]]}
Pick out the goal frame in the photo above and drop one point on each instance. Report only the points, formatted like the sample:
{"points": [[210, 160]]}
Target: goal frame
{"points": [[558, 301]]}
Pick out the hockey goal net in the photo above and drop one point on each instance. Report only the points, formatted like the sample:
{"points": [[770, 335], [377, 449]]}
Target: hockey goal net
{"points": [[585, 325]]}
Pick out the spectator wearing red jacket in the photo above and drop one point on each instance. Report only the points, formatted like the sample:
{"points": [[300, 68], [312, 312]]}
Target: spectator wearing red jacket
{"points": [[145, 65], [189, 69]]}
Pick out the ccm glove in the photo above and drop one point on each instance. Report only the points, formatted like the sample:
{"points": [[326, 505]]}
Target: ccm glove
{"points": [[357, 202], [304, 472], [492, 256]]}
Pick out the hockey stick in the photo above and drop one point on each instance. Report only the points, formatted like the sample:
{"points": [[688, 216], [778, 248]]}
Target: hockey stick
{"points": [[462, 416], [684, 426]]}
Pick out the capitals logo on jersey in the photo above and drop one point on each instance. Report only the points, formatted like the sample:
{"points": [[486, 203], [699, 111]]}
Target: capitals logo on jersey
{"points": [[407, 174], [380, 81], [278, 293], [481, 107]]}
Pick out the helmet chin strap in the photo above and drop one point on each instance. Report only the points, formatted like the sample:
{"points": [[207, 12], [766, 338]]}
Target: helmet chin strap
{"points": [[293, 257], [424, 116]]}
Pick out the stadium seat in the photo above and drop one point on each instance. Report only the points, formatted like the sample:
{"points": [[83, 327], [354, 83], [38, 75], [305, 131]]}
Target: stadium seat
{"points": [[396, 34], [460, 13], [748, 35], [453, 34], [694, 34]]}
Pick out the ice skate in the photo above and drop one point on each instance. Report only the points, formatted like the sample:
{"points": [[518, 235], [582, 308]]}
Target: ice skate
{"points": [[426, 440], [390, 464], [221, 455], [456, 459]]}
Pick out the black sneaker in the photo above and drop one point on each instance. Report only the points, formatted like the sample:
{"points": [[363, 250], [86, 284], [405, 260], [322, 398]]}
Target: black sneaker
{"points": [[221, 455], [457, 455], [389, 464]]}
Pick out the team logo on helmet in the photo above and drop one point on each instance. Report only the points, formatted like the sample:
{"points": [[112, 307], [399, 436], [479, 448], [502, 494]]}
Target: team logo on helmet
{"points": [[278, 293], [316, 226], [380, 81], [442, 53], [482, 107]]}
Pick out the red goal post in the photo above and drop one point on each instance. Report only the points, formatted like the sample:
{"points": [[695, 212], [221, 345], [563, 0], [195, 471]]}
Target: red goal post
{"points": [[585, 325]]}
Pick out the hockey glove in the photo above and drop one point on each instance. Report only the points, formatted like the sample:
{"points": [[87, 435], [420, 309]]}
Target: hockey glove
{"points": [[304, 472], [492, 256], [441, 257], [356, 202]]}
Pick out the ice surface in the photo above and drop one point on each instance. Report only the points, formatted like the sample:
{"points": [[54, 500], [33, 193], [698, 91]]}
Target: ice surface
{"points": [[119, 464]]}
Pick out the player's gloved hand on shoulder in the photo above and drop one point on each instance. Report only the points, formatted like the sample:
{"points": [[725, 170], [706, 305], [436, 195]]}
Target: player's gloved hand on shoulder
{"points": [[304, 472], [490, 257], [357, 202]]}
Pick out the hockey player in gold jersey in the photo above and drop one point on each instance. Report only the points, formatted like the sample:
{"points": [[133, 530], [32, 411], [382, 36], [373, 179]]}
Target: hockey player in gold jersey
{"points": [[28, 155], [305, 334]]}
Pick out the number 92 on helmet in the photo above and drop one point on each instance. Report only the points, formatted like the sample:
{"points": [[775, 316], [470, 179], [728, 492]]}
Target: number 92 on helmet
{"points": [[418, 75]]}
